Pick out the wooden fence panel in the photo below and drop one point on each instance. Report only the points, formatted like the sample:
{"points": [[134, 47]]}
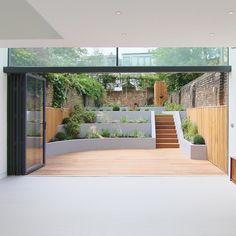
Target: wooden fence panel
{"points": [[54, 117], [212, 124], [160, 93]]}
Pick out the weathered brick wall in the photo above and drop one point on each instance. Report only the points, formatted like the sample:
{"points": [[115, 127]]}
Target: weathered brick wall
{"points": [[130, 97], [211, 89], [72, 98]]}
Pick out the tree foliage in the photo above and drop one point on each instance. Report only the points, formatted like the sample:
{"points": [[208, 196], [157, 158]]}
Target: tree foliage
{"points": [[189, 56]]}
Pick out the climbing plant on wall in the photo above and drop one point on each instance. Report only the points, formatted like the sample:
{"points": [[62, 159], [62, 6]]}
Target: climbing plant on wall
{"points": [[81, 83]]}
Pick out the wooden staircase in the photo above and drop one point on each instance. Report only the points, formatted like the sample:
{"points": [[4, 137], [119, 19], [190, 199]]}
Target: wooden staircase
{"points": [[166, 136]]}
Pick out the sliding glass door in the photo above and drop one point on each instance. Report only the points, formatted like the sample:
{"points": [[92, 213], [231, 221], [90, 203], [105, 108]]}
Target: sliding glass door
{"points": [[35, 123], [26, 123]]}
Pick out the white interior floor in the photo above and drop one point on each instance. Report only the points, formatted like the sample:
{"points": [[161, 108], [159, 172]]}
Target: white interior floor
{"points": [[117, 206]]}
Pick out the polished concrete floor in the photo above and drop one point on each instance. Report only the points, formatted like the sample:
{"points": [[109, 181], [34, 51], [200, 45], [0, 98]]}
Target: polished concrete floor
{"points": [[117, 206]]}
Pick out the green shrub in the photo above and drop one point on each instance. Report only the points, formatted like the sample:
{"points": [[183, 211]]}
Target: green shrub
{"points": [[137, 134], [116, 108], [123, 109], [138, 109], [124, 119], [116, 133], [65, 120], [89, 117], [60, 136], [73, 128], [173, 107], [93, 133], [190, 131], [198, 139], [105, 133], [146, 109]]}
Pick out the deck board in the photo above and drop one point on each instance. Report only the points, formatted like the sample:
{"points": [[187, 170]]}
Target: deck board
{"points": [[158, 162]]}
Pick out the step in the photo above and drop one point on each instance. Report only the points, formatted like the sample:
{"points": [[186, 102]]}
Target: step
{"points": [[165, 126], [164, 119], [165, 123], [166, 135], [165, 131], [167, 140], [167, 145], [164, 115]]}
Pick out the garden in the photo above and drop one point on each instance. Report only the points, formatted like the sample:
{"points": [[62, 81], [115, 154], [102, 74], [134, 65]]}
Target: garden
{"points": [[105, 125]]}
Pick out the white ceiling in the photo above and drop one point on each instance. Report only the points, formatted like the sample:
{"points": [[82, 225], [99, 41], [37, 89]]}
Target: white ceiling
{"points": [[94, 23]]}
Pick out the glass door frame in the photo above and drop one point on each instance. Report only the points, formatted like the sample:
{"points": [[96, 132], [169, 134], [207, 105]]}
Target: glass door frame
{"points": [[37, 166]]}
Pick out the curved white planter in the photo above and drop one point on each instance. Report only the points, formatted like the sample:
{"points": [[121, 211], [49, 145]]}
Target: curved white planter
{"points": [[78, 145]]}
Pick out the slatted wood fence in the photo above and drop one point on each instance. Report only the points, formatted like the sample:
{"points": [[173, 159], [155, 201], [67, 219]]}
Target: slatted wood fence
{"points": [[54, 117], [160, 93], [212, 124]]}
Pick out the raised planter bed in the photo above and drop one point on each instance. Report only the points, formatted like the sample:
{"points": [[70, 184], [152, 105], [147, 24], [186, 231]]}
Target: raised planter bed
{"points": [[117, 115], [157, 110], [194, 152], [79, 145], [145, 128]]}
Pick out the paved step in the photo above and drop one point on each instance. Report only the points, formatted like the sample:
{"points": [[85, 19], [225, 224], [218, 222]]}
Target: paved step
{"points": [[167, 140], [166, 136], [165, 126], [167, 145], [166, 131]]}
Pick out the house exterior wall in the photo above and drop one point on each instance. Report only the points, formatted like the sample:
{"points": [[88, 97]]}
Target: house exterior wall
{"points": [[3, 114]]}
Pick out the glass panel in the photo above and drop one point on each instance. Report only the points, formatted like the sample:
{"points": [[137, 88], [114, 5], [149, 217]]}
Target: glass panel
{"points": [[127, 56], [34, 122], [62, 57], [173, 56]]}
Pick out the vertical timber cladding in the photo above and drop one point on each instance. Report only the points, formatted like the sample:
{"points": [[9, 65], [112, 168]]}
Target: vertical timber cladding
{"points": [[160, 93], [16, 124], [212, 124]]}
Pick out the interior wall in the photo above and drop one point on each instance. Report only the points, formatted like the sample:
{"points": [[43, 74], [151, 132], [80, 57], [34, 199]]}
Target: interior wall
{"points": [[3, 113], [232, 103]]}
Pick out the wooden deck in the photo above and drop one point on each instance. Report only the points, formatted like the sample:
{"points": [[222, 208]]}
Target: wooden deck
{"points": [[158, 162]]}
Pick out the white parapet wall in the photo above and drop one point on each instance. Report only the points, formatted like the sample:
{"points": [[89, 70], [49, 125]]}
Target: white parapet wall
{"points": [[192, 151], [3, 115], [80, 145]]}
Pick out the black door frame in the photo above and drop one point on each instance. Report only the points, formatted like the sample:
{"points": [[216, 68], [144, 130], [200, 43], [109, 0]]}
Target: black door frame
{"points": [[16, 125]]}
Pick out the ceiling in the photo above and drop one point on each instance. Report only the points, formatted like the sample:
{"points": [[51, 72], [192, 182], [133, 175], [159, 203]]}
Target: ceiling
{"points": [[113, 23]]}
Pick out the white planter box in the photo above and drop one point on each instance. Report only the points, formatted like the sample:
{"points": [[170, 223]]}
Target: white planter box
{"points": [[79, 145], [193, 151]]}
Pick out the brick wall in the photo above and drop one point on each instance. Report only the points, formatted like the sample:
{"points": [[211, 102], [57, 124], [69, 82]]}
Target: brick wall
{"points": [[72, 98], [211, 89], [130, 97]]}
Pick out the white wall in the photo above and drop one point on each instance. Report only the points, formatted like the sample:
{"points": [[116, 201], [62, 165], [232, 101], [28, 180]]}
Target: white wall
{"points": [[232, 104], [3, 114]]}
